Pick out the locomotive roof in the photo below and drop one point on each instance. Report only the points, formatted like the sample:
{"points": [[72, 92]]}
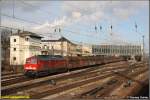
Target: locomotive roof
{"points": [[51, 57]]}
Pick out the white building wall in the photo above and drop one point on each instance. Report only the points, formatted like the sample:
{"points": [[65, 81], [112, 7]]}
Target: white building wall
{"points": [[24, 49], [14, 50]]}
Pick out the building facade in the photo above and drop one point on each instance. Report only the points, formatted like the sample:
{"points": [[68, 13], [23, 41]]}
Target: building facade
{"points": [[86, 50], [61, 46], [117, 50], [23, 45]]}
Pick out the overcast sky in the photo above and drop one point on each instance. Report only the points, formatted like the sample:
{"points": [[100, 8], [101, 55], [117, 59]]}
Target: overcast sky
{"points": [[77, 19]]}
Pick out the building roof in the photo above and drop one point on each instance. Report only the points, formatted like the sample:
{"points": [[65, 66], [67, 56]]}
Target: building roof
{"points": [[118, 45], [27, 33], [59, 40]]}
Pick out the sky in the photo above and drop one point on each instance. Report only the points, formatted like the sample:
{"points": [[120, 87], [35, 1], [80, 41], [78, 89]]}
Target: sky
{"points": [[78, 19]]}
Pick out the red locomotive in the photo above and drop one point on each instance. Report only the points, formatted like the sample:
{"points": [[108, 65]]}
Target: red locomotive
{"points": [[43, 64]]}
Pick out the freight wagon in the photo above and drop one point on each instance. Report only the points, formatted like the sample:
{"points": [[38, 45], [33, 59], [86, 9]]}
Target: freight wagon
{"points": [[43, 64]]}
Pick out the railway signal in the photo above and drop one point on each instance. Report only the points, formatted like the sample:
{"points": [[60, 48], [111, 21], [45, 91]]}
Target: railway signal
{"points": [[59, 30], [55, 30], [111, 30], [136, 26], [100, 28], [95, 28]]}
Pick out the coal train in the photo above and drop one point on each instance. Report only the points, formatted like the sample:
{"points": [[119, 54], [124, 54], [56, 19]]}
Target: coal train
{"points": [[43, 64]]}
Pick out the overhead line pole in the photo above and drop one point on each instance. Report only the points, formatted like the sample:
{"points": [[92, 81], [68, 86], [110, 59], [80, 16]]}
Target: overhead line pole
{"points": [[143, 48]]}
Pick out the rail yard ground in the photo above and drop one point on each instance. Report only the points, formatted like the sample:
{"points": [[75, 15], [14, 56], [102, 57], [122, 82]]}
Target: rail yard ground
{"points": [[110, 81]]}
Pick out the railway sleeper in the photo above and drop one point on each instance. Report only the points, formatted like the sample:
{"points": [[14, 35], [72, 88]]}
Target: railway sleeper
{"points": [[99, 89], [112, 82], [93, 91]]}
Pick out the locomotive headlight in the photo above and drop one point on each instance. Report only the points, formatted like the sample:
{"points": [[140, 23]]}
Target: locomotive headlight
{"points": [[30, 67], [34, 68]]}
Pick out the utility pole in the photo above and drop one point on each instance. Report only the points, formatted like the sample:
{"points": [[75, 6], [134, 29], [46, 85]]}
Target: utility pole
{"points": [[143, 48], [81, 49], [61, 41], [50, 45], [136, 26], [61, 46], [13, 8]]}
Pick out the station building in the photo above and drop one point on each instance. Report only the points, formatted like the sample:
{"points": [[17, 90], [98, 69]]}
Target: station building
{"points": [[61, 46], [23, 45]]}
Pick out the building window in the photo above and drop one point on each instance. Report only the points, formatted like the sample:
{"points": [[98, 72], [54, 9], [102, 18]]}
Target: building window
{"points": [[14, 49], [14, 40], [26, 39], [14, 58]]}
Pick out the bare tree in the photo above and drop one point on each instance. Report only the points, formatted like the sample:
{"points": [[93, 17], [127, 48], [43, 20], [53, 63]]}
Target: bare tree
{"points": [[5, 48]]}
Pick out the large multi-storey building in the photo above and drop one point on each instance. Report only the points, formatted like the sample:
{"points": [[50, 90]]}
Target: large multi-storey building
{"points": [[23, 45], [117, 50], [61, 46]]}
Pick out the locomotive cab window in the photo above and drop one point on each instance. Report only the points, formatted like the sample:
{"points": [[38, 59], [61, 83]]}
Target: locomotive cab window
{"points": [[33, 61]]}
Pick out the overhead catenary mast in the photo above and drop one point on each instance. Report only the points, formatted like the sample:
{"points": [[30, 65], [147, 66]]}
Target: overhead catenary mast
{"points": [[143, 45], [111, 30]]}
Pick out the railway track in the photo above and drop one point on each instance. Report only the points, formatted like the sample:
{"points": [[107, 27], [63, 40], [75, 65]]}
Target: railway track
{"points": [[103, 91], [100, 90], [15, 78], [61, 83], [7, 73], [9, 81], [28, 84], [13, 75]]}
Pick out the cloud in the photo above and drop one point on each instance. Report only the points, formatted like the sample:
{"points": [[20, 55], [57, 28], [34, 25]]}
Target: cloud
{"points": [[94, 11], [76, 14], [123, 10], [48, 27], [29, 6], [86, 12], [56, 23], [113, 9]]}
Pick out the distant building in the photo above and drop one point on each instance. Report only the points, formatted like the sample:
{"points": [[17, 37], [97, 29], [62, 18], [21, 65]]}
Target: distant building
{"points": [[23, 45], [61, 46], [117, 50], [86, 50]]}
